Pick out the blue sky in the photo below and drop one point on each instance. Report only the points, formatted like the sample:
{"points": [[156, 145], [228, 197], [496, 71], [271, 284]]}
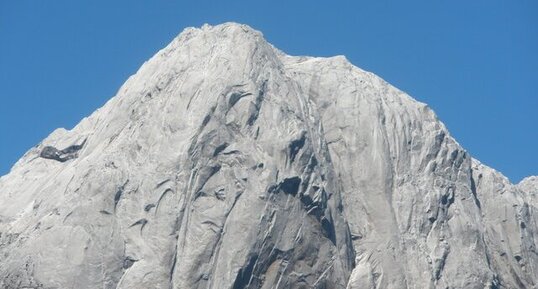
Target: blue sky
{"points": [[474, 62]]}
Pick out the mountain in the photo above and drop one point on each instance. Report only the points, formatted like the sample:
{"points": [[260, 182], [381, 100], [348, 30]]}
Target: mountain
{"points": [[224, 163]]}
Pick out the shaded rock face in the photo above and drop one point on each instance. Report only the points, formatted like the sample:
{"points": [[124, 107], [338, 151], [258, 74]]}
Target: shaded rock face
{"points": [[52, 153], [224, 163]]}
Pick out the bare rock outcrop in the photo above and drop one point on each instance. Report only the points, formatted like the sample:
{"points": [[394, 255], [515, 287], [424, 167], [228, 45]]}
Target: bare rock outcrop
{"points": [[224, 163]]}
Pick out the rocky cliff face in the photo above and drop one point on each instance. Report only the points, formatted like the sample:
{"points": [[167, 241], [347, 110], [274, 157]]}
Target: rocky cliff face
{"points": [[224, 163]]}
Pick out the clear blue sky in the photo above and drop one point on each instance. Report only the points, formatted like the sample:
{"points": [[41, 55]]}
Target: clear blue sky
{"points": [[475, 62]]}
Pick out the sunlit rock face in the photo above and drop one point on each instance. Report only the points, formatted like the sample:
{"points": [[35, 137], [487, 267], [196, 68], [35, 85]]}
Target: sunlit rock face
{"points": [[224, 163]]}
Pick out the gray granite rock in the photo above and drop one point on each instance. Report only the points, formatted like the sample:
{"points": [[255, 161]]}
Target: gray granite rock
{"points": [[224, 163]]}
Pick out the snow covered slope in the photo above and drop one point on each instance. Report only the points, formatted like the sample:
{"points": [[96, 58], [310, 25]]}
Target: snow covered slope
{"points": [[224, 163]]}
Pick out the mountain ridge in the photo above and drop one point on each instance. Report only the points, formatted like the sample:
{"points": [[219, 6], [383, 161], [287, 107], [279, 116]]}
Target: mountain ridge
{"points": [[224, 163]]}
